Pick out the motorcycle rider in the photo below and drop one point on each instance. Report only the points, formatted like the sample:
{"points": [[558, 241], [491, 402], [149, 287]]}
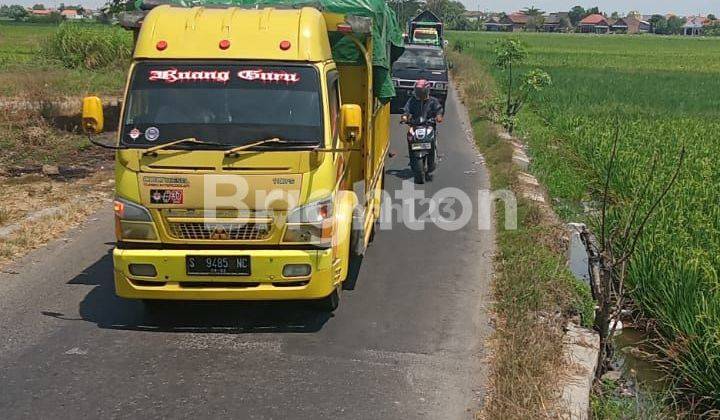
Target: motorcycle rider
{"points": [[421, 104]]}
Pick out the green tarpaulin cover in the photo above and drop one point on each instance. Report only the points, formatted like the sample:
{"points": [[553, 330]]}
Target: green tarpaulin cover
{"points": [[386, 33]]}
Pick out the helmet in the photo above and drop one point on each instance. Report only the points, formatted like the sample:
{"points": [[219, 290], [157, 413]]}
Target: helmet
{"points": [[422, 89]]}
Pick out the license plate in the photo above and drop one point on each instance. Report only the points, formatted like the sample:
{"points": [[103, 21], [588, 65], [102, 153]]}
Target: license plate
{"points": [[421, 146], [208, 265]]}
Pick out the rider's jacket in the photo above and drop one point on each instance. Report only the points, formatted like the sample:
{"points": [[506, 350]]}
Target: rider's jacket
{"points": [[429, 108]]}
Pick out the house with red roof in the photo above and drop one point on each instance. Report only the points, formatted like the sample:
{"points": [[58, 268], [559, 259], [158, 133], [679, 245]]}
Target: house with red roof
{"points": [[594, 24], [41, 12], [519, 21], [695, 25]]}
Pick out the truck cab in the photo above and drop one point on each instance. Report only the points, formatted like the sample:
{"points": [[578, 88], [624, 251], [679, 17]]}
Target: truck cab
{"points": [[249, 162], [426, 36], [420, 62]]}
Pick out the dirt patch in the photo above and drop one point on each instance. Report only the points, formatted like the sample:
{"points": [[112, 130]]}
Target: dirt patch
{"points": [[23, 205], [38, 232], [36, 208], [24, 195]]}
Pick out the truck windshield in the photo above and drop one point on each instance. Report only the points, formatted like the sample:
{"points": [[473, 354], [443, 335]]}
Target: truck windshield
{"points": [[421, 58], [226, 103], [424, 35]]}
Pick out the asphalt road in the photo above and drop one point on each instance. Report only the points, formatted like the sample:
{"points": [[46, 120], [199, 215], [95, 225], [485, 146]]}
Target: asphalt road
{"points": [[406, 342]]}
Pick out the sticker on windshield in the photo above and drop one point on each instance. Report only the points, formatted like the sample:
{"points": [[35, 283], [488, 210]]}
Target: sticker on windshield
{"points": [[175, 75], [152, 133], [134, 133], [166, 196], [269, 76]]}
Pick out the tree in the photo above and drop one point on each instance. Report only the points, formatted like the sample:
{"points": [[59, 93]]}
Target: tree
{"points": [[116, 6], [576, 14], [532, 11], [565, 24], [38, 6], [508, 53], [713, 29], [657, 22], [609, 257], [535, 23], [17, 12], [711, 17], [670, 26], [615, 15], [675, 25], [592, 11], [405, 9], [451, 12]]}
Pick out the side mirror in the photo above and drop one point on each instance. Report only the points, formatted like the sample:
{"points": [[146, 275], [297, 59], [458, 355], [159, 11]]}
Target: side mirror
{"points": [[450, 65], [92, 115], [351, 123]]}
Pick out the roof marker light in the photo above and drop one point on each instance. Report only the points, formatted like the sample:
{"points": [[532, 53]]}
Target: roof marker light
{"points": [[161, 45], [285, 45], [224, 44]]}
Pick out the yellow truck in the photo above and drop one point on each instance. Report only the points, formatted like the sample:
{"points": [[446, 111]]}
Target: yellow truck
{"points": [[250, 150]]}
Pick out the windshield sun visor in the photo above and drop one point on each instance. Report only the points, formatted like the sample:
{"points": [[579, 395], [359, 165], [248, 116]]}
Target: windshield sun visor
{"points": [[224, 103]]}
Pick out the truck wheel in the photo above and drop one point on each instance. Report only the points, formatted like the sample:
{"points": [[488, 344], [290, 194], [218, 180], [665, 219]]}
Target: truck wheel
{"points": [[329, 303]]}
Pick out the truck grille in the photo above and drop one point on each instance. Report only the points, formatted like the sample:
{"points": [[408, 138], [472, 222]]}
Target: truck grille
{"points": [[219, 231]]}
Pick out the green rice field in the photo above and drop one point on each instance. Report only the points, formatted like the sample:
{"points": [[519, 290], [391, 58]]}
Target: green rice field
{"points": [[664, 93], [32, 57]]}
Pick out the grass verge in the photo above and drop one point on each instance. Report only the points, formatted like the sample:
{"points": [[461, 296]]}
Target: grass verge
{"points": [[642, 85], [534, 293]]}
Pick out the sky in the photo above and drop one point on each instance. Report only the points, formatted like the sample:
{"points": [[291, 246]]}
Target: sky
{"points": [[680, 7]]}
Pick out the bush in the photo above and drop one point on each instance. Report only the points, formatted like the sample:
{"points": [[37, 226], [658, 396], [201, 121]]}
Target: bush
{"points": [[89, 46], [54, 17]]}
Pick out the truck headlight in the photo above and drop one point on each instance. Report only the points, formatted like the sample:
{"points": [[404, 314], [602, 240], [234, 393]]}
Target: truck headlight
{"points": [[311, 223], [317, 211], [133, 222]]}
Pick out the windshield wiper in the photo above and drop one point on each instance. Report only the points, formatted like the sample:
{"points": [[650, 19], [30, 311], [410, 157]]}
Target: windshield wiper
{"points": [[237, 149], [176, 142]]}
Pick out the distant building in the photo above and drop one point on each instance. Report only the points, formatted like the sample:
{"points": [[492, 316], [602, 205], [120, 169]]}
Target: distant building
{"points": [[499, 24], [475, 16], [594, 24], [519, 21], [43, 12], [556, 22], [695, 25], [630, 25], [514, 22], [71, 14]]}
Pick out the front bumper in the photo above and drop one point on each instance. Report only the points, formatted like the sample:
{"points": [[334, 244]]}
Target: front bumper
{"points": [[266, 281]]}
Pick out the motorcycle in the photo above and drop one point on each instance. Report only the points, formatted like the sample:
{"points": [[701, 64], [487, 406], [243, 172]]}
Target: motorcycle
{"points": [[422, 148]]}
